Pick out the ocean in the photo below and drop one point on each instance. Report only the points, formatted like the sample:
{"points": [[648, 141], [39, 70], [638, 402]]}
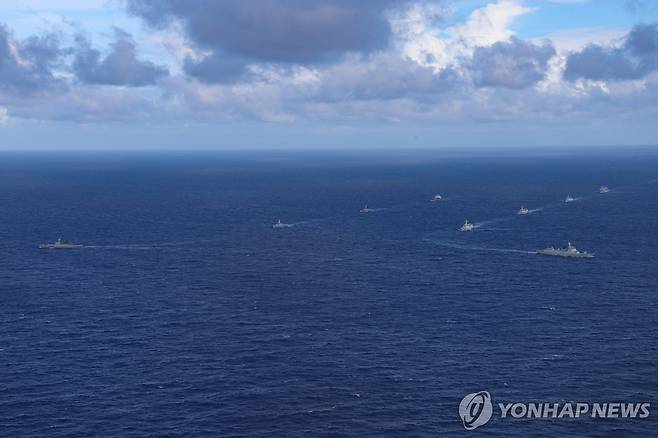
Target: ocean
{"points": [[187, 314]]}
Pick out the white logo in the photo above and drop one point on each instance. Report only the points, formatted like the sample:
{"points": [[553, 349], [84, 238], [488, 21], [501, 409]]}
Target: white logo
{"points": [[475, 409]]}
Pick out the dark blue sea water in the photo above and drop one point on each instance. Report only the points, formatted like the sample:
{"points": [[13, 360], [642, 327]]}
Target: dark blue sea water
{"points": [[186, 314]]}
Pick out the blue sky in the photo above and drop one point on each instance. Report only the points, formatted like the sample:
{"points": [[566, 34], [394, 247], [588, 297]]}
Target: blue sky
{"points": [[197, 74]]}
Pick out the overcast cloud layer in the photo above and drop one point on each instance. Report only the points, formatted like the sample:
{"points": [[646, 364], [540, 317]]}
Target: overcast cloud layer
{"points": [[332, 61]]}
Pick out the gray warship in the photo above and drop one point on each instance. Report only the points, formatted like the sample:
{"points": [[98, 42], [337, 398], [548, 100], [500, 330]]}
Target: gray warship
{"points": [[467, 226], [60, 244], [569, 251], [280, 224]]}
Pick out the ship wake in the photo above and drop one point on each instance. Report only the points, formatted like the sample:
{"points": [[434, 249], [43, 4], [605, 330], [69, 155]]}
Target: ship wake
{"points": [[455, 245]]}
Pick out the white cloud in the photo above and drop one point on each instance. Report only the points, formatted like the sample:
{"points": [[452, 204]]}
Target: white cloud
{"points": [[490, 24], [4, 115], [431, 45]]}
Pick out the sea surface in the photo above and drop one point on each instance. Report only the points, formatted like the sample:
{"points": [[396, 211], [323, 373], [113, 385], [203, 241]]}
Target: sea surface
{"points": [[187, 315]]}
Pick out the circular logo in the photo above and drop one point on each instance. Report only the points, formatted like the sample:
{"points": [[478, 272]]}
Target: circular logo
{"points": [[475, 409]]}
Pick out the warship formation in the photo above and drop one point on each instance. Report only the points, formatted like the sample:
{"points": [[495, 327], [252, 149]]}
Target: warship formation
{"points": [[568, 251]]}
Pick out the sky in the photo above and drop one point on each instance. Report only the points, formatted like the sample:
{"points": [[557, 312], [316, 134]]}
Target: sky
{"points": [[324, 74]]}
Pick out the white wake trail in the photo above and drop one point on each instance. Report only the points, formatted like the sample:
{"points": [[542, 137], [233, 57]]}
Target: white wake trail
{"points": [[454, 245], [157, 245]]}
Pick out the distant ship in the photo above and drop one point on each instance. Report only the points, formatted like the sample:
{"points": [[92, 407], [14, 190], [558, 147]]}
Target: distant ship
{"points": [[568, 199], [604, 189], [279, 224], [523, 210], [436, 198], [60, 244], [569, 251], [467, 226], [365, 209]]}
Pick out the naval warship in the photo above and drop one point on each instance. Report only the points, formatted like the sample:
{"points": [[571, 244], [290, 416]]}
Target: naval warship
{"points": [[569, 251], [467, 226], [60, 244], [280, 224]]}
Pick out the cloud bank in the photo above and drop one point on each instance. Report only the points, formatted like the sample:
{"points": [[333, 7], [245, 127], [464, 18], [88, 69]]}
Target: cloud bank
{"points": [[338, 61]]}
